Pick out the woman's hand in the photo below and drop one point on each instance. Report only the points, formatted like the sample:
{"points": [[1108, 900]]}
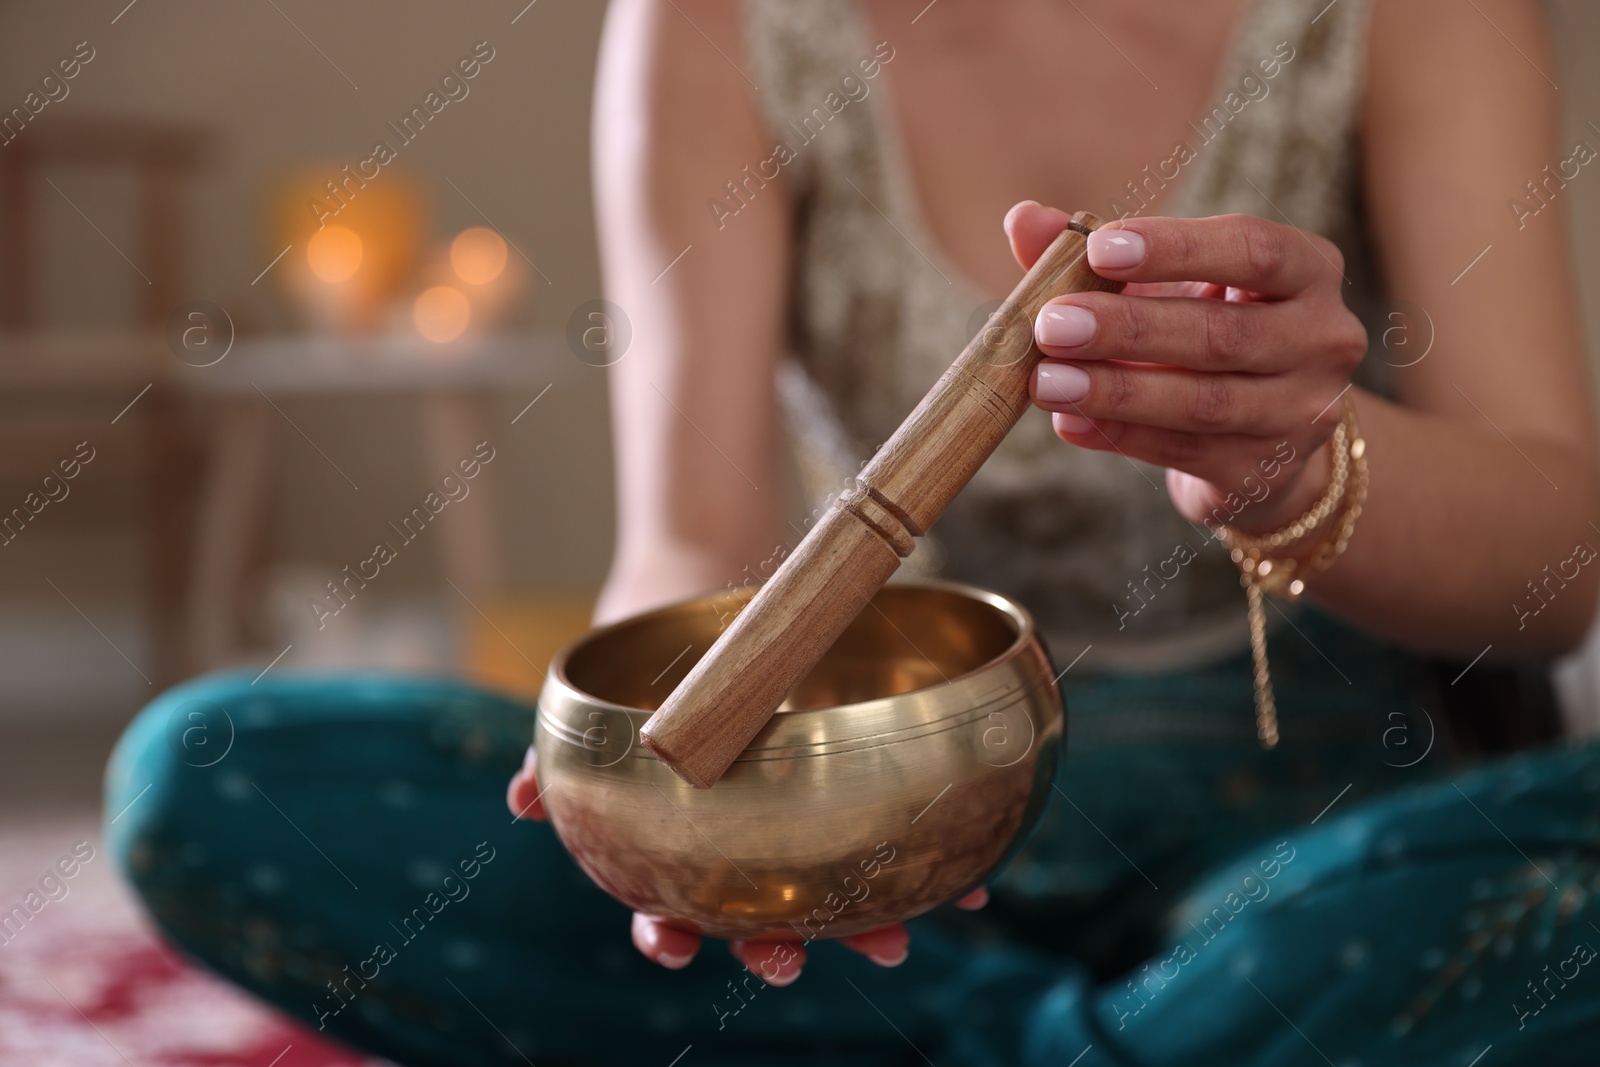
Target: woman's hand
{"points": [[1224, 355], [777, 962]]}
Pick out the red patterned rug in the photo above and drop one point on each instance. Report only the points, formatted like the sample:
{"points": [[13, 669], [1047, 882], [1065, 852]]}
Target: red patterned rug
{"points": [[86, 983]]}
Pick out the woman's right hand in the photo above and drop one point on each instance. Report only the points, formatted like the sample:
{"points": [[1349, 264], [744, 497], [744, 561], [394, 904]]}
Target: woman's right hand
{"points": [[778, 963]]}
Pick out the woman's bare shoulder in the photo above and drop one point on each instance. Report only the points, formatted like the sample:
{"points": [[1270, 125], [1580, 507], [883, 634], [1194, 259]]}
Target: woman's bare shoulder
{"points": [[673, 91], [1426, 52], [1464, 171]]}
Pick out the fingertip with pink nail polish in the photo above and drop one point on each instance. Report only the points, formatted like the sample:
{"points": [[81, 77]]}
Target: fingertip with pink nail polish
{"points": [[1064, 326], [782, 978], [647, 937], [1070, 424], [1060, 383], [1115, 249], [1018, 206]]}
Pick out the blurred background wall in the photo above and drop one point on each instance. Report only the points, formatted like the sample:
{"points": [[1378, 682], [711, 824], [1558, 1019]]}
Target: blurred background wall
{"points": [[283, 85], [275, 95]]}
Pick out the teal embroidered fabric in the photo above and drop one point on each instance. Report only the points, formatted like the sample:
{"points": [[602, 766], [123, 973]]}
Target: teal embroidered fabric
{"points": [[340, 847]]}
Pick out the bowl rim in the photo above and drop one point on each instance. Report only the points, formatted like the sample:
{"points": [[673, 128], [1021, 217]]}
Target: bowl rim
{"points": [[1026, 636]]}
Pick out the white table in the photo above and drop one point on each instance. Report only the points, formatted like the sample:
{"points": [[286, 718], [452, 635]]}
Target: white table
{"points": [[452, 384]]}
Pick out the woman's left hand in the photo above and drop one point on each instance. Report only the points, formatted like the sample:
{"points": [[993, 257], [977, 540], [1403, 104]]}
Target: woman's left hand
{"points": [[777, 962], [1224, 355]]}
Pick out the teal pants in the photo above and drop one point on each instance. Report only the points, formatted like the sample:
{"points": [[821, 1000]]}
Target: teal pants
{"points": [[340, 847]]}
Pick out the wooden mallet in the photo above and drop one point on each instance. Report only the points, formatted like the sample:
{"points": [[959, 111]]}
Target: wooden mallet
{"points": [[783, 631]]}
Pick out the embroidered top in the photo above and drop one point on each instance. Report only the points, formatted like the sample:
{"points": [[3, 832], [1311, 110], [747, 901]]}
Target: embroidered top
{"points": [[1089, 541]]}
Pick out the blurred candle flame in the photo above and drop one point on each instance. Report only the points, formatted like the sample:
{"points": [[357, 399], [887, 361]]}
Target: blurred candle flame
{"points": [[334, 254], [478, 255], [441, 313]]}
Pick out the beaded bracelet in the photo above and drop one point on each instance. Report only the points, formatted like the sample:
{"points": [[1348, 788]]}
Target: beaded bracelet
{"points": [[1261, 575]]}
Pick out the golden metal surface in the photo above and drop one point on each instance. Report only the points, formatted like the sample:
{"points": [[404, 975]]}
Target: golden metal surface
{"points": [[895, 777]]}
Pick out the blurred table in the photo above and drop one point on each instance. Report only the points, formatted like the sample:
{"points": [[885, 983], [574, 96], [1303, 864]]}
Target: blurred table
{"points": [[122, 393], [195, 444], [452, 384], [320, 366]]}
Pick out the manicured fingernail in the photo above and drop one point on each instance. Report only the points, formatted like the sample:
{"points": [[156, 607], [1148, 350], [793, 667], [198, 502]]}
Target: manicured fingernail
{"points": [[782, 978], [889, 961], [674, 963], [1064, 326], [1115, 249], [1018, 206], [1061, 383], [1065, 422]]}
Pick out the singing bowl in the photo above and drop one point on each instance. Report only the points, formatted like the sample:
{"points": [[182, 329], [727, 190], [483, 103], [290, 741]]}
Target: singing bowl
{"points": [[898, 775]]}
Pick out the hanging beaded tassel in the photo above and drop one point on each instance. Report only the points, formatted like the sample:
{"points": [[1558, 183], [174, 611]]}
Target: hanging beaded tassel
{"points": [[1346, 494]]}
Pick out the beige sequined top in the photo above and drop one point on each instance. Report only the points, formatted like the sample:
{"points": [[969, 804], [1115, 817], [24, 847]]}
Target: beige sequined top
{"points": [[1089, 541]]}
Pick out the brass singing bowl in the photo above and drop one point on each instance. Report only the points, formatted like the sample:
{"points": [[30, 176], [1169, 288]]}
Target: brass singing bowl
{"points": [[898, 775]]}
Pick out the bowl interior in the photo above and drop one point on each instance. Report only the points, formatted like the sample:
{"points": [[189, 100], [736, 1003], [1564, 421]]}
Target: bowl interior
{"points": [[909, 638]]}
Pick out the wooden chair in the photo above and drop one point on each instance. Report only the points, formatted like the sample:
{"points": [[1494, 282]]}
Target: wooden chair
{"points": [[59, 387]]}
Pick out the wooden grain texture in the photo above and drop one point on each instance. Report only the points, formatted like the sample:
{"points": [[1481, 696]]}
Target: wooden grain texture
{"points": [[797, 615]]}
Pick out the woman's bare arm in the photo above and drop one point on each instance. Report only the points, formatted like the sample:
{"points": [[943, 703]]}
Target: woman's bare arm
{"points": [[1477, 530], [699, 482], [699, 494], [1488, 474]]}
